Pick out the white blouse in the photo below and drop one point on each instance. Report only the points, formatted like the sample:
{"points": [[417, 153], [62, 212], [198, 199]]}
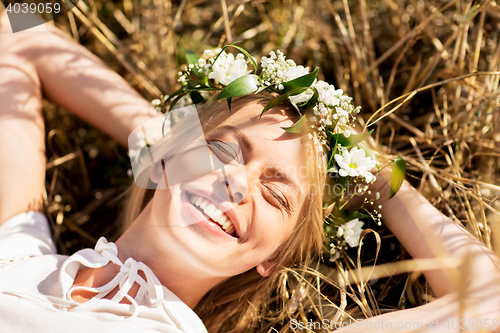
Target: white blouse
{"points": [[36, 286]]}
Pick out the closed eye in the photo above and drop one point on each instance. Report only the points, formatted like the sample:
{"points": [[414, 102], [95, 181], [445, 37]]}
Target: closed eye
{"points": [[226, 152], [278, 200]]}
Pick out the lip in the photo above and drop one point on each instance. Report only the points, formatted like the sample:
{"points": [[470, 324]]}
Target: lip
{"points": [[206, 224]]}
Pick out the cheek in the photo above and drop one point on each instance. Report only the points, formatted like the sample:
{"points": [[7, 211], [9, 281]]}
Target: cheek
{"points": [[275, 226], [188, 166], [162, 200]]}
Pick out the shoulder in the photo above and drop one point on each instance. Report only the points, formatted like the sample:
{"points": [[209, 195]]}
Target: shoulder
{"points": [[24, 236]]}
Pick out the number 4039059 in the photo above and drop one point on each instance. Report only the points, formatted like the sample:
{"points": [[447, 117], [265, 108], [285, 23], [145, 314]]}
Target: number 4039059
{"points": [[33, 8]]}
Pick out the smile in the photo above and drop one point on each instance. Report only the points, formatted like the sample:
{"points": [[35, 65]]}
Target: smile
{"points": [[209, 209]]}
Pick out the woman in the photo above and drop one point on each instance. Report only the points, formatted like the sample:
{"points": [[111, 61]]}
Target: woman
{"points": [[262, 226], [182, 265]]}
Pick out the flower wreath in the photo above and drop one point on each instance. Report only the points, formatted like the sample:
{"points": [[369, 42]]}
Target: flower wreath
{"points": [[327, 116]]}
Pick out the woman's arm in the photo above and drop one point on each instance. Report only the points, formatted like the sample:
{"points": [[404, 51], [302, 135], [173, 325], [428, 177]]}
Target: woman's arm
{"points": [[77, 80], [427, 233], [470, 292], [43, 59]]}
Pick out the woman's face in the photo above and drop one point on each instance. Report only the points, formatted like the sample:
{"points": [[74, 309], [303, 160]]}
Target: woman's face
{"points": [[260, 194]]}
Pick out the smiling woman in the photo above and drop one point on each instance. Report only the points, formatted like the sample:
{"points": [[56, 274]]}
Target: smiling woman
{"points": [[277, 222], [221, 217]]}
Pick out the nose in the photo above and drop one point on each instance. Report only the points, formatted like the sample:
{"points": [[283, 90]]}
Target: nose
{"points": [[236, 181]]}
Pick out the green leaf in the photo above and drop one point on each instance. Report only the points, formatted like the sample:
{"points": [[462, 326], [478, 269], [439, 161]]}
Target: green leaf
{"points": [[312, 101], [300, 127], [163, 125], [196, 97], [262, 88], [398, 175], [330, 230], [339, 139], [180, 91], [300, 82], [352, 141], [192, 58], [176, 100], [229, 100], [281, 98], [241, 86], [203, 88], [332, 169], [349, 215], [192, 84]]}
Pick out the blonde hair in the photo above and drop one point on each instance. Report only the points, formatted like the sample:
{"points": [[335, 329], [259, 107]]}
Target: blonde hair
{"points": [[242, 303]]}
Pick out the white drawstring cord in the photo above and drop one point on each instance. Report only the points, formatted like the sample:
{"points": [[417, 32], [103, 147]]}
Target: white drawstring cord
{"points": [[150, 288], [151, 293]]}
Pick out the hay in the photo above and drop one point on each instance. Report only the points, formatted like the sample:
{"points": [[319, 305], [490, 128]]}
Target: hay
{"points": [[425, 72]]}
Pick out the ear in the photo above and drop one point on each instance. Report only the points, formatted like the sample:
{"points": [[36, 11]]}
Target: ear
{"points": [[266, 268]]}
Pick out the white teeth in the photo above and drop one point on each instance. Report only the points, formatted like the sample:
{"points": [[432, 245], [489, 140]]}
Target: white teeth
{"points": [[204, 204], [222, 219], [217, 216], [226, 224], [214, 213], [230, 229], [210, 210]]}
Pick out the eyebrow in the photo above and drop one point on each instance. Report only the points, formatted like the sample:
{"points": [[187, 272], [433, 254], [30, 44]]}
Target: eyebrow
{"points": [[284, 178], [239, 134]]}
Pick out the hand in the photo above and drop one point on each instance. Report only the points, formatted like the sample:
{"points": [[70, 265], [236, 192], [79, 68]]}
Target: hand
{"points": [[382, 186]]}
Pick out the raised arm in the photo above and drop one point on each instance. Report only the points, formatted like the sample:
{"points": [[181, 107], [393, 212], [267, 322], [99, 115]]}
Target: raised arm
{"points": [[471, 292], [43, 59]]}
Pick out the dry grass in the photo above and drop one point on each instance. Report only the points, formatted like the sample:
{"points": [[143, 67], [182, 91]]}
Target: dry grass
{"points": [[426, 73]]}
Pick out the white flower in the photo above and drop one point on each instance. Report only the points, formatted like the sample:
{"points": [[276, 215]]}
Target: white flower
{"points": [[141, 143], [334, 254], [328, 95], [227, 69], [276, 69], [155, 102], [134, 153], [355, 163], [294, 72], [351, 232]]}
